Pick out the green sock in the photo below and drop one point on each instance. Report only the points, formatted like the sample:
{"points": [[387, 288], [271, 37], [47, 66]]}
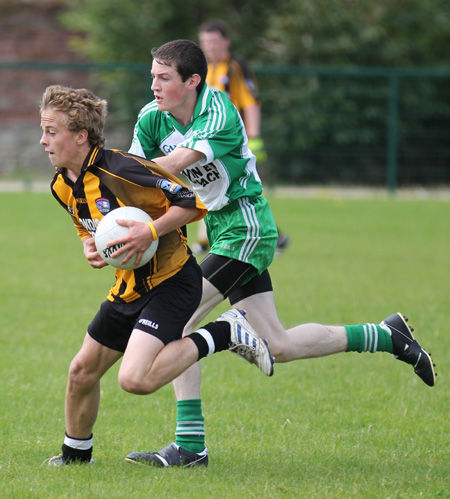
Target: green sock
{"points": [[369, 338], [190, 432]]}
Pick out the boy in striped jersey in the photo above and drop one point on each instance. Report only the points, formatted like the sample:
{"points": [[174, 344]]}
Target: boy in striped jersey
{"points": [[146, 310], [193, 130]]}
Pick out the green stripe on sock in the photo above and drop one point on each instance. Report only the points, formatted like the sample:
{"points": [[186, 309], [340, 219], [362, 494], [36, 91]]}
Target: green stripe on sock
{"points": [[190, 431], [368, 338]]}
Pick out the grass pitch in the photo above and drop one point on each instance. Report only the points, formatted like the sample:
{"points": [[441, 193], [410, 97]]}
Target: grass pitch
{"points": [[349, 425]]}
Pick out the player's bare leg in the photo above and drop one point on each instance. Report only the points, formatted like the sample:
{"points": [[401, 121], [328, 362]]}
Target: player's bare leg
{"points": [[148, 365], [392, 335], [187, 385], [83, 386], [300, 342], [82, 401]]}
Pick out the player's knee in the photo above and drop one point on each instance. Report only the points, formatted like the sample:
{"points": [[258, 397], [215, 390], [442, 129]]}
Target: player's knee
{"points": [[81, 376], [136, 385]]}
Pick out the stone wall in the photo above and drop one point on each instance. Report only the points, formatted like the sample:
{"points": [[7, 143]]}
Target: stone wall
{"points": [[30, 31]]}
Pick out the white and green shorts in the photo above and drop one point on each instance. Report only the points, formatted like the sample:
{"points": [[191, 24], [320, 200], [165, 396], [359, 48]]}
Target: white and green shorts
{"points": [[244, 230]]}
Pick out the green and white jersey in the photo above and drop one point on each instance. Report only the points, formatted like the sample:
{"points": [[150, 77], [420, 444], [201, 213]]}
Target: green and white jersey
{"points": [[228, 171]]}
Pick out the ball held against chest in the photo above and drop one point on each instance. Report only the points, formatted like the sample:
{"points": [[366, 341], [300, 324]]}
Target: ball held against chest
{"points": [[108, 229]]}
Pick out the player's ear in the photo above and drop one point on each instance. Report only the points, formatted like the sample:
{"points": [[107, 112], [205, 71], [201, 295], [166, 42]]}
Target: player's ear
{"points": [[82, 136], [194, 81]]}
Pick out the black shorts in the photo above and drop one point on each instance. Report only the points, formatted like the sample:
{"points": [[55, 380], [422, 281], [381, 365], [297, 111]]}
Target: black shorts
{"points": [[162, 312], [227, 275]]}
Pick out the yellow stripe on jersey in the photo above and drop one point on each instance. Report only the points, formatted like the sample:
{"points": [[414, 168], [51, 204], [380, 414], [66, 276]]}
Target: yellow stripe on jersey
{"points": [[110, 179], [228, 76]]}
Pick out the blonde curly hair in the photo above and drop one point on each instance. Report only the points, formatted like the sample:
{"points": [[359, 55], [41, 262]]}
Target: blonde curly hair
{"points": [[84, 110]]}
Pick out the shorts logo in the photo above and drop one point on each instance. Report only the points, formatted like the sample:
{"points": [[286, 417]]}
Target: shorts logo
{"points": [[148, 323], [103, 205]]}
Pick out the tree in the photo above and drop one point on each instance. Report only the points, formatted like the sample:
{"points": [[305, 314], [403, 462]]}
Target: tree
{"points": [[307, 115], [361, 32], [125, 31]]}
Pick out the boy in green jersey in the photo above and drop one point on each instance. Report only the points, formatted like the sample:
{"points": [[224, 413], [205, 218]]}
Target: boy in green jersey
{"points": [[194, 130]]}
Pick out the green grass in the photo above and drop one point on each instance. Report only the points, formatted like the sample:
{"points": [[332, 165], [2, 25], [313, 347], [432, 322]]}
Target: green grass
{"points": [[349, 425]]}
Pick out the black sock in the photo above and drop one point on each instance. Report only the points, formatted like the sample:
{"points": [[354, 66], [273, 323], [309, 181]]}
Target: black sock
{"points": [[212, 338], [81, 454], [76, 455]]}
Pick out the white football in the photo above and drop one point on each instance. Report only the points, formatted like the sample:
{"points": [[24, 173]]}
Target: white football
{"points": [[108, 229]]}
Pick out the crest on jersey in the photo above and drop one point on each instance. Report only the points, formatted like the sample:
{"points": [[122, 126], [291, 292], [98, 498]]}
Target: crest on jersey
{"points": [[168, 186], [103, 205]]}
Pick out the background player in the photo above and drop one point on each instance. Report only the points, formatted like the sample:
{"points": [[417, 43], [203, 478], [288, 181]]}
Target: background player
{"points": [[232, 75]]}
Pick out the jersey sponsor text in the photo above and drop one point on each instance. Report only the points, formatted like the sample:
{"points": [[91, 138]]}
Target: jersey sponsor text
{"points": [[90, 225], [202, 176]]}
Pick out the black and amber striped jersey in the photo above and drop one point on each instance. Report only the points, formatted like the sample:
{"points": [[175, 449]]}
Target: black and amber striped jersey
{"points": [[110, 179], [234, 77]]}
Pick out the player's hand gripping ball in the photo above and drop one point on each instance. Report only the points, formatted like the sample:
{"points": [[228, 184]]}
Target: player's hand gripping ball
{"points": [[108, 229]]}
